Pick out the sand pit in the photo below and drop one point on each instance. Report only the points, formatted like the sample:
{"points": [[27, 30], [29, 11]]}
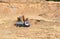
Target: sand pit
{"points": [[45, 26]]}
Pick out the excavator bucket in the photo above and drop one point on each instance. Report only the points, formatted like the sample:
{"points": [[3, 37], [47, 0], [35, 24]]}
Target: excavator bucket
{"points": [[26, 23]]}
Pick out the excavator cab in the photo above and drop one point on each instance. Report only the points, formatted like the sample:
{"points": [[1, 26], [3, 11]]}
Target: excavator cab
{"points": [[22, 22]]}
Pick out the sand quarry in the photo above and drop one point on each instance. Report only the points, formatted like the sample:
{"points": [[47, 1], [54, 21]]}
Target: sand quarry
{"points": [[44, 20]]}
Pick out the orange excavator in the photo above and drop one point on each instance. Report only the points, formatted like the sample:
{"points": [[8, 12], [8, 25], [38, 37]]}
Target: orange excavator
{"points": [[22, 22]]}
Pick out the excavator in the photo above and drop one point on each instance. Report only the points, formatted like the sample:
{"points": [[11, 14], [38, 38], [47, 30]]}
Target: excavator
{"points": [[22, 22]]}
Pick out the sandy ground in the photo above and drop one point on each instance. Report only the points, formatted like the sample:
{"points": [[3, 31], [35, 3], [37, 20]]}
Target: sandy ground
{"points": [[41, 27], [38, 29]]}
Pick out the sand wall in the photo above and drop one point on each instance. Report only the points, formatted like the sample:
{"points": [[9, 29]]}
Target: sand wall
{"points": [[33, 7]]}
